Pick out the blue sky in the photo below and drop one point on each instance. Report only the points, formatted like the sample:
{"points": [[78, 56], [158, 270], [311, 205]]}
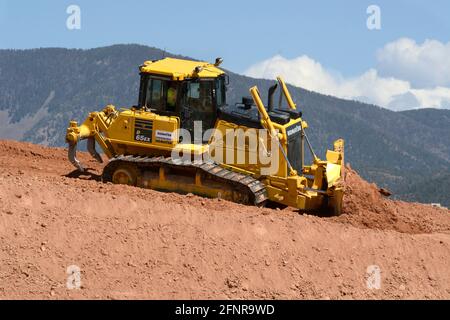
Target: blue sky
{"points": [[331, 33]]}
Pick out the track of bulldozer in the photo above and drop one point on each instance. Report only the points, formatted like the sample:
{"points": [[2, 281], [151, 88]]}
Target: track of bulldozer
{"points": [[251, 191]]}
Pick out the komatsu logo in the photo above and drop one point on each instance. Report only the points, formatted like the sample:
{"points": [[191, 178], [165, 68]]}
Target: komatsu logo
{"points": [[164, 135], [295, 130]]}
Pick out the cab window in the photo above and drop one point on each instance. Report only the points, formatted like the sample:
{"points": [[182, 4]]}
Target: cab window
{"points": [[199, 96], [161, 95], [198, 105], [200, 101], [220, 91]]}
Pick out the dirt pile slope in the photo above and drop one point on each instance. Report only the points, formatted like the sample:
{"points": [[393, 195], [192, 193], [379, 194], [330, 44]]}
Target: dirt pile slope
{"points": [[135, 243], [365, 206]]}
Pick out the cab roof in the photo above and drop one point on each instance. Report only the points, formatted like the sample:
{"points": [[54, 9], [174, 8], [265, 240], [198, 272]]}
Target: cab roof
{"points": [[179, 69]]}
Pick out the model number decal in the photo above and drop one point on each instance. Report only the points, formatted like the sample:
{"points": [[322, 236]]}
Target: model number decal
{"points": [[143, 138], [143, 135]]}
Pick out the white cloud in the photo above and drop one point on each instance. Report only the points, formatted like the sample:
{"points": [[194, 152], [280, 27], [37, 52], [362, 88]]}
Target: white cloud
{"points": [[439, 96], [301, 71], [424, 65], [409, 84]]}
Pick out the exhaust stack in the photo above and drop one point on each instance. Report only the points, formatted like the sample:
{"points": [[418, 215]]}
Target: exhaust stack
{"points": [[272, 90]]}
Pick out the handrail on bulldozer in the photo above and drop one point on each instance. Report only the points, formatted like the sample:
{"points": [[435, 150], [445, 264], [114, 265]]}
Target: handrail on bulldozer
{"points": [[267, 123]]}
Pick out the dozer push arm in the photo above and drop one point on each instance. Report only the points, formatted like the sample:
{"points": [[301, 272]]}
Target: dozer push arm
{"points": [[287, 94], [267, 123], [293, 106]]}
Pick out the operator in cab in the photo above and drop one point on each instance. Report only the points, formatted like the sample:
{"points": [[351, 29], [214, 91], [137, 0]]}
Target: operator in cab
{"points": [[171, 97]]}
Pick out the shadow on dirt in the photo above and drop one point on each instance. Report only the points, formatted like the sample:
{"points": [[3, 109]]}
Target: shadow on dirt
{"points": [[86, 175], [324, 213]]}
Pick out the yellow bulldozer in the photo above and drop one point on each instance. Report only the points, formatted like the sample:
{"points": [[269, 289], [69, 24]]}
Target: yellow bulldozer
{"points": [[183, 137]]}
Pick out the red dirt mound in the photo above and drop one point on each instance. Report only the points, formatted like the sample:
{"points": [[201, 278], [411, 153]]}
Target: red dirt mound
{"points": [[365, 206], [134, 243]]}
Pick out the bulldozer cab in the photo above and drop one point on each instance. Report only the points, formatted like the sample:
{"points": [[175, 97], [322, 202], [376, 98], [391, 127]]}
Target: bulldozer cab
{"points": [[193, 95]]}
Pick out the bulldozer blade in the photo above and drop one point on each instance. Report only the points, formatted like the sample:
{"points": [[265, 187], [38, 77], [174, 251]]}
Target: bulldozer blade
{"points": [[333, 174]]}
